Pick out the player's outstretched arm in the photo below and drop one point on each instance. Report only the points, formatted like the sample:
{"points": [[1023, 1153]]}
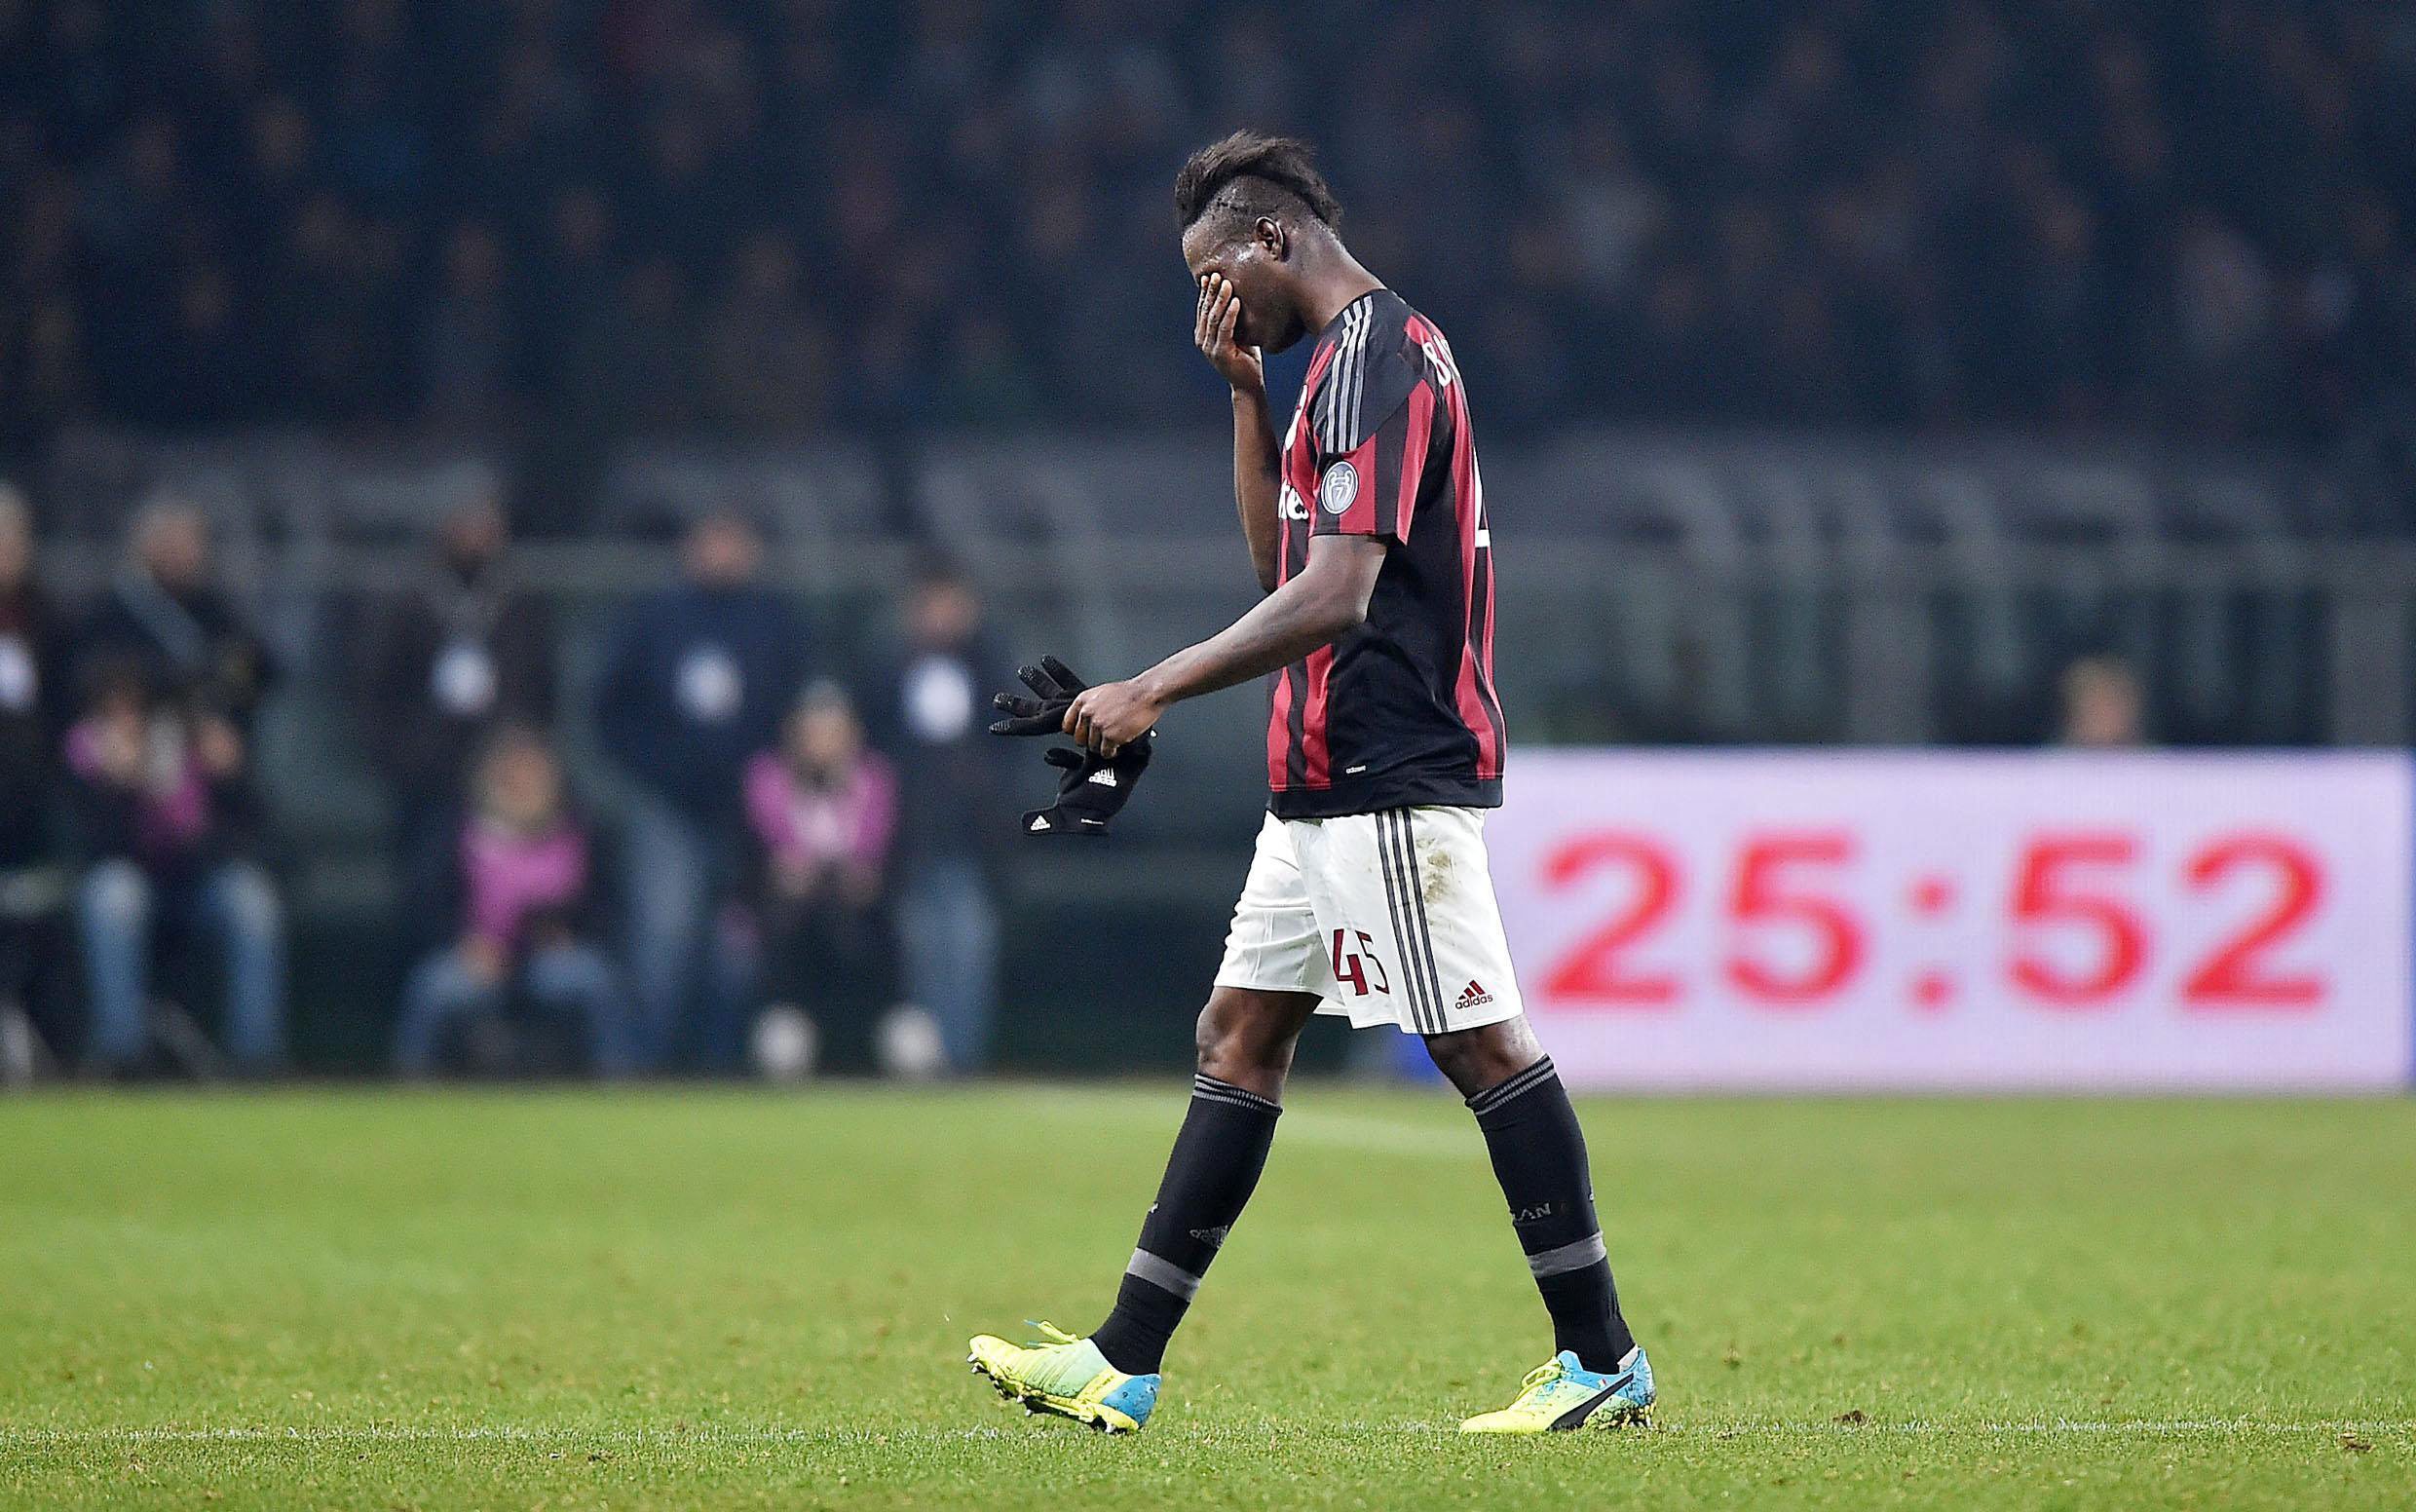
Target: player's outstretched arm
{"points": [[1256, 460], [1324, 601]]}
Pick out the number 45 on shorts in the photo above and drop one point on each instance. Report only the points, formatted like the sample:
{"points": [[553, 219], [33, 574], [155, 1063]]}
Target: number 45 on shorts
{"points": [[1357, 965]]}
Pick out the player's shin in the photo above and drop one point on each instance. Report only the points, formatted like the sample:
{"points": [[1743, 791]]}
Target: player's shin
{"points": [[1539, 1157], [1209, 1177]]}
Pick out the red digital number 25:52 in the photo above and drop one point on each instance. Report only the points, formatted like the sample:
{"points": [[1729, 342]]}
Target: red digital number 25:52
{"points": [[2075, 939]]}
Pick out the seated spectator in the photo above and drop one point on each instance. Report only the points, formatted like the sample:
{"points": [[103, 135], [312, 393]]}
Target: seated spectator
{"points": [[31, 716], [167, 823], [822, 812], [29, 693], [525, 887], [163, 617]]}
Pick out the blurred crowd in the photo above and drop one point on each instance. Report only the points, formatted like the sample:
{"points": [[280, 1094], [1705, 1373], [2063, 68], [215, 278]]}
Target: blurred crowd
{"points": [[792, 867], [772, 855], [587, 218]]}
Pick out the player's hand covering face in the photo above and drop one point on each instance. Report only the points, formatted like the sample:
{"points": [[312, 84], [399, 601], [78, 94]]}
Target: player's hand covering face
{"points": [[1217, 331], [1094, 786]]}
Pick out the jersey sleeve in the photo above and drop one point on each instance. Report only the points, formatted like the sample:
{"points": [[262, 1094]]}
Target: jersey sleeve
{"points": [[1372, 418]]}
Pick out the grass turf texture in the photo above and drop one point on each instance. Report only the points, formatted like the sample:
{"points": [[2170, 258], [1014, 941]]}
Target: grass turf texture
{"points": [[396, 1299]]}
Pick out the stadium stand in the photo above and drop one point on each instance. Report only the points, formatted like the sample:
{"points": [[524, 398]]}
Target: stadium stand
{"points": [[649, 216]]}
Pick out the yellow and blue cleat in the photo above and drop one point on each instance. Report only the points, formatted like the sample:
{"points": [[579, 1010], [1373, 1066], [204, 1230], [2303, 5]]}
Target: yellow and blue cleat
{"points": [[1067, 1377], [1560, 1394]]}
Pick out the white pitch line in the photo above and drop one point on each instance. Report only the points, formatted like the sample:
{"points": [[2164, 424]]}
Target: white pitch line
{"points": [[575, 1437]]}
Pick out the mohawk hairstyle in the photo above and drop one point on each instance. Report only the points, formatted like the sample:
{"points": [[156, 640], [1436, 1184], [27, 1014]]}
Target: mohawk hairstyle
{"points": [[1247, 175]]}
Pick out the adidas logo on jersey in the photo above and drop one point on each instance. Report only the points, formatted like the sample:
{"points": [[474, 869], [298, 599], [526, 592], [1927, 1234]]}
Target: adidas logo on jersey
{"points": [[1474, 996]]}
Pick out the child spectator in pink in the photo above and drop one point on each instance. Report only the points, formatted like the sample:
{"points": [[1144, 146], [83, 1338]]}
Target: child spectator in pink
{"points": [[525, 870], [822, 812], [163, 819]]}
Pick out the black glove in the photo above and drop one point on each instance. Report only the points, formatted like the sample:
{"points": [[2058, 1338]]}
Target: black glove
{"points": [[1093, 790], [1056, 685]]}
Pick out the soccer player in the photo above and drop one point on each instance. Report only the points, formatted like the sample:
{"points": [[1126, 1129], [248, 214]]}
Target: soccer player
{"points": [[1369, 895]]}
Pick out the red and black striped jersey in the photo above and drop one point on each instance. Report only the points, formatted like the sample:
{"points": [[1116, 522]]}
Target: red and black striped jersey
{"points": [[1400, 710]]}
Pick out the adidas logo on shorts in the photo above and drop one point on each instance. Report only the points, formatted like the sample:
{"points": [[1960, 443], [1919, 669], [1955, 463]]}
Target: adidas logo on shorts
{"points": [[1474, 996]]}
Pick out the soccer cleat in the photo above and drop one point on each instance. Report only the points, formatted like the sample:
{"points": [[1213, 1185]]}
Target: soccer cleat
{"points": [[1560, 1394], [1067, 1377]]}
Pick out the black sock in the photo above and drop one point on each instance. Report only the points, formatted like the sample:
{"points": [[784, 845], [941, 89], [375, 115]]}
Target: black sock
{"points": [[1209, 1177], [1539, 1157]]}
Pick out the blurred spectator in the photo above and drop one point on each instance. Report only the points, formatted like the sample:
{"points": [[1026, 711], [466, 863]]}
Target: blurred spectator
{"points": [[200, 365], [2105, 707], [933, 713], [634, 358], [470, 362], [989, 380], [695, 683], [274, 172], [573, 277], [326, 306], [463, 652], [822, 812], [33, 703], [166, 819], [766, 359], [32, 706], [2100, 216], [524, 891], [2224, 309], [161, 617]]}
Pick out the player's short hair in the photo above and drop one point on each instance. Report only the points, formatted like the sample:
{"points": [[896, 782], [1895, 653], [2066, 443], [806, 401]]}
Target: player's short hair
{"points": [[1247, 175]]}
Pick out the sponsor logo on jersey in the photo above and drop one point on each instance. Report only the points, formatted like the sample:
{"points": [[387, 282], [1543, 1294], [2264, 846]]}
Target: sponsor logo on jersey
{"points": [[1290, 506], [1340, 488]]}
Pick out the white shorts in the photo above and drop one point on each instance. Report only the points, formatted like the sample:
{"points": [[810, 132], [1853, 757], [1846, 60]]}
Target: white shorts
{"points": [[1388, 916]]}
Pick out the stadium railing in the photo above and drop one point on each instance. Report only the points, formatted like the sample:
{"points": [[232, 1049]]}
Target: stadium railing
{"points": [[1655, 587]]}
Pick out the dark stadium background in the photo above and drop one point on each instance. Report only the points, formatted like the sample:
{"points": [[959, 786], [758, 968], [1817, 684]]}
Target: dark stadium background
{"points": [[1847, 372]]}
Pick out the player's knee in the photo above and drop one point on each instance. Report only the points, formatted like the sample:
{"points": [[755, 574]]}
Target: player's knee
{"points": [[1455, 1058], [1227, 1048], [1474, 1059], [1238, 1044]]}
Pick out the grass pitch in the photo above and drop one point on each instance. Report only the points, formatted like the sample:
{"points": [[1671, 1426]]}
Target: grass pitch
{"points": [[684, 1299]]}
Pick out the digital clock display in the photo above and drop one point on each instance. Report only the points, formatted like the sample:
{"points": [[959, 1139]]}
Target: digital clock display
{"points": [[1949, 918]]}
